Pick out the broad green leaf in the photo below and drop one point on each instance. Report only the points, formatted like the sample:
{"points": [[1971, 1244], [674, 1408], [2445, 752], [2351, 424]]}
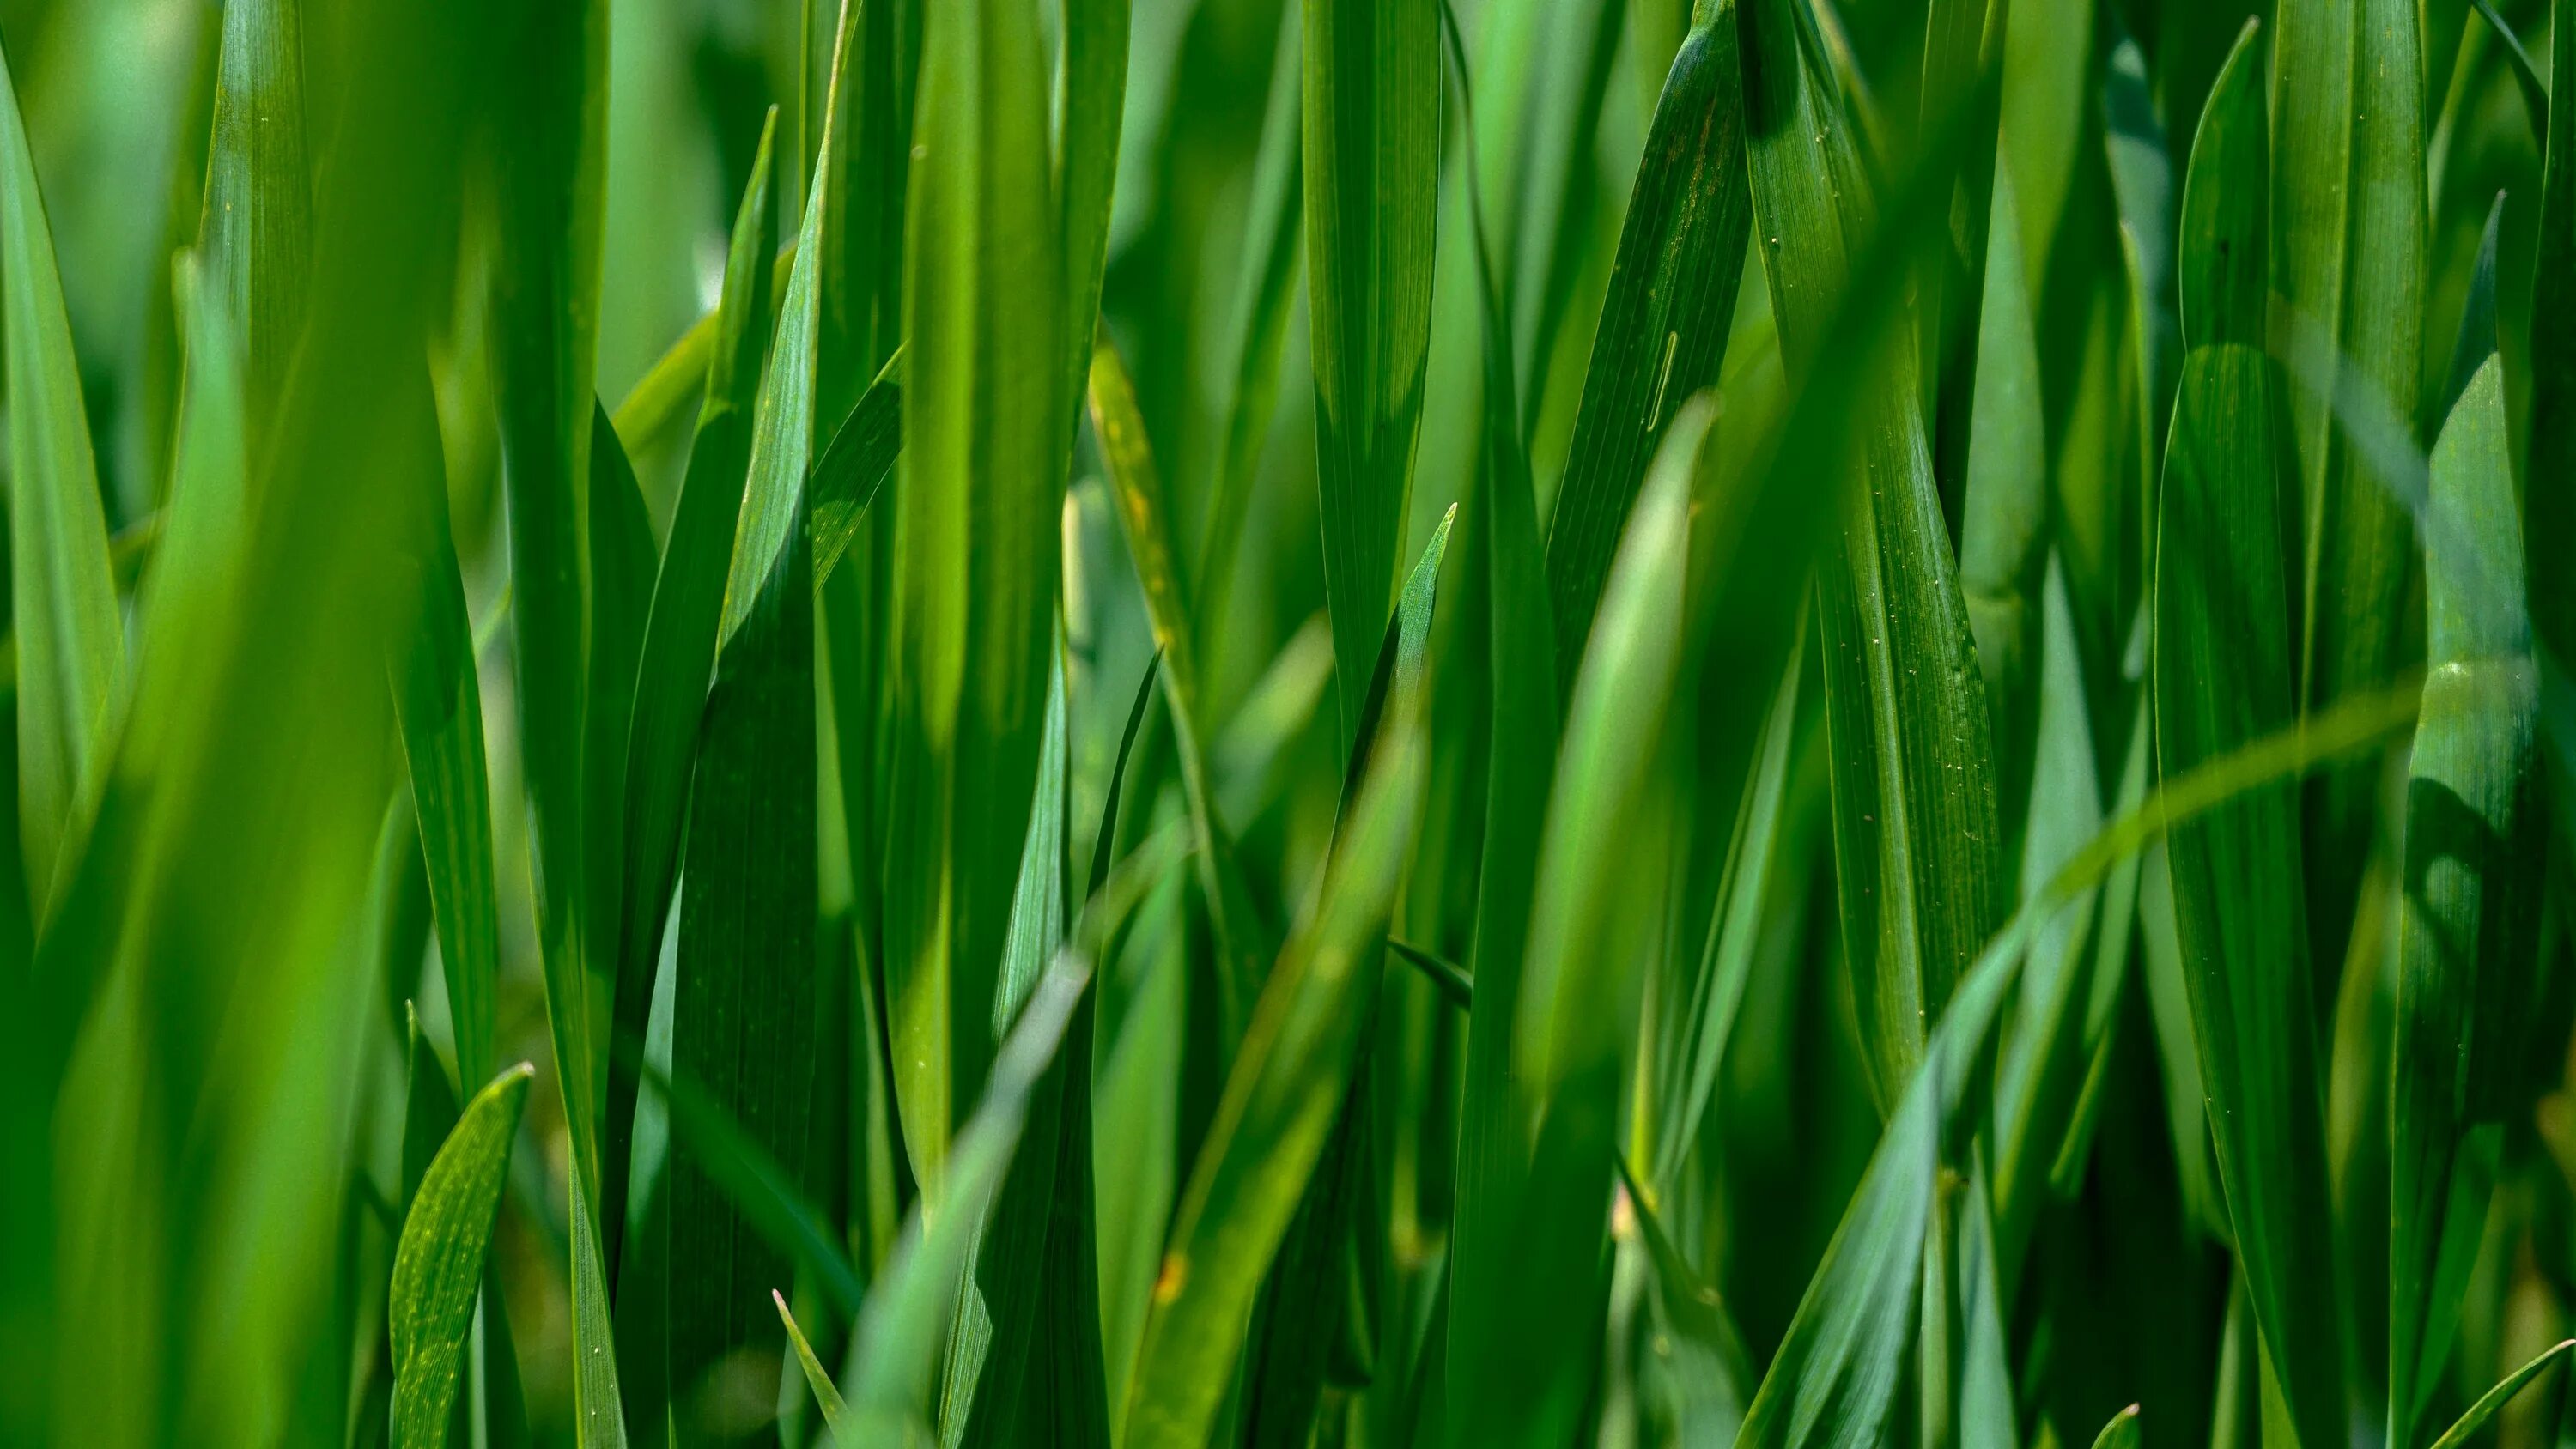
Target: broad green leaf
{"points": [[1663, 326], [978, 546], [71, 640], [2476, 846], [1287, 1084], [1372, 167], [1918, 847], [2223, 677], [2347, 244], [678, 654], [2494, 1399], [256, 231], [439, 1267], [742, 1017]]}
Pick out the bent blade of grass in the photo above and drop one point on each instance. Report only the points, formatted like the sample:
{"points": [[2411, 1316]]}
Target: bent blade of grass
{"points": [[2348, 229], [2123, 1432], [1663, 326], [2492, 1402], [742, 1019], [71, 640], [1372, 169], [438, 1268], [1917, 841], [2476, 848], [678, 657], [854, 468], [835, 1413], [2223, 677], [978, 546], [1280, 1102]]}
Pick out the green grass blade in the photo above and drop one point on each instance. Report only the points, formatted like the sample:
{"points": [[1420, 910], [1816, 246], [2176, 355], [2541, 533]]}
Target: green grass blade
{"points": [[835, 1413], [439, 1267], [1452, 981], [1089, 111], [1918, 845], [1664, 323], [742, 1018], [2222, 677], [2123, 1432], [1712, 1373], [2492, 1402], [439, 700], [2476, 845], [256, 230], [1288, 1083], [1372, 165], [549, 90], [854, 467], [2348, 238], [2549, 502], [1263, 295], [772, 1203], [622, 566], [429, 1108], [71, 641], [978, 545], [678, 653], [2003, 525]]}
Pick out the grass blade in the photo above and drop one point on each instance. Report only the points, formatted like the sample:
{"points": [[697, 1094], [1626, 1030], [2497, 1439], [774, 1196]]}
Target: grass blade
{"points": [[835, 1412], [2549, 501], [678, 657], [71, 642], [2223, 677], [2476, 845], [854, 467], [978, 545], [1372, 165], [2348, 227], [257, 227], [2123, 1432], [1664, 323], [2493, 1400], [439, 1267]]}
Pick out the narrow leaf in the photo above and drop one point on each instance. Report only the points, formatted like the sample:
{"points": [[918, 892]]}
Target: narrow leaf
{"points": [[438, 1267]]}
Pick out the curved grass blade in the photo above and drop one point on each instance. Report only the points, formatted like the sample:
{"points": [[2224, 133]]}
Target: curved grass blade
{"points": [[2492, 1402], [256, 231], [1372, 167], [2123, 1432], [2348, 228], [2222, 677], [978, 546], [1918, 846], [742, 1017], [854, 468], [660, 399], [438, 1268], [71, 641], [2476, 846], [1664, 323], [678, 657], [1291, 1078]]}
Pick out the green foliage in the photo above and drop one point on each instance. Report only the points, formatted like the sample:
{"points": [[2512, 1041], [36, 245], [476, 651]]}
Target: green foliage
{"points": [[1240, 750]]}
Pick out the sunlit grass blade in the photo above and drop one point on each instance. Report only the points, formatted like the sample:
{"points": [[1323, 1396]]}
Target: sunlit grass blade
{"points": [[2492, 1402], [2347, 248], [742, 1016], [978, 546], [2476, 848], [1664, 323], [71, 641], [439, 1268], [678, 655], [1918, 846], [256, 231], [2223, 676], [1372, 167], [1288, 1083], [835, 1412]]}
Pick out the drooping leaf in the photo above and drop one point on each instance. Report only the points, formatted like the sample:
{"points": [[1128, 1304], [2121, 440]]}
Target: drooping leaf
{"points": [[438, 1268], [2493, 1400]]}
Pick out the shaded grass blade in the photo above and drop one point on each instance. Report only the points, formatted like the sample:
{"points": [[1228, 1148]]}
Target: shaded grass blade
{"points": [[439, 1267]]}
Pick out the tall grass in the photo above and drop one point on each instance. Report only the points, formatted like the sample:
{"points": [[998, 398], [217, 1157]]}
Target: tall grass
{"points": [[1138, 724]]}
